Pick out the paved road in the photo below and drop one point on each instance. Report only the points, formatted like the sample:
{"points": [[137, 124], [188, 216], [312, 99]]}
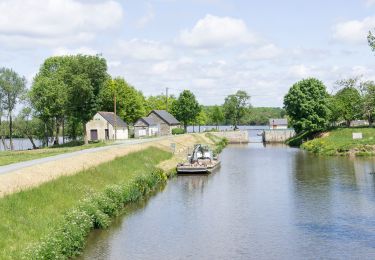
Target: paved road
{"points": [[16, 166]]}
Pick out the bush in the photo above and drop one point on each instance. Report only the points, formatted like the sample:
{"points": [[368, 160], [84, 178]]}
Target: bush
{"points": [[178, 131], [93, 212]]}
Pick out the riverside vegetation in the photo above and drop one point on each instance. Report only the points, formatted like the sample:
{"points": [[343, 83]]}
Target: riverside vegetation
{"points": [[340, 142], [52, 220]]}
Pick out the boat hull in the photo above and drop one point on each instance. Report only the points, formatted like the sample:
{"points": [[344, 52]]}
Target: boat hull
{"points": [[187, 169]]}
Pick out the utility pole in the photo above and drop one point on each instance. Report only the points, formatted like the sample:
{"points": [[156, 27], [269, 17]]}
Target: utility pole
{"points": [[166, 98], [114, 115]]}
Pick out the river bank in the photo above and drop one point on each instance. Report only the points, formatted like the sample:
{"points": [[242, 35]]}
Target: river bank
{"points": [[53, 219], [340, 142]]}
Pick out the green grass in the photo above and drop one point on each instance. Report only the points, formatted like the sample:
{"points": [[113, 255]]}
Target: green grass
{"points": [[29, 216], [340, 142], [9, 157]]}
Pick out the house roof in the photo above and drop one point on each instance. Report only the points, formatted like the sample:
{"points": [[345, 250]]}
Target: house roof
{"points": [[109, 117], [278, 121], [147, 120], [167, 117]]}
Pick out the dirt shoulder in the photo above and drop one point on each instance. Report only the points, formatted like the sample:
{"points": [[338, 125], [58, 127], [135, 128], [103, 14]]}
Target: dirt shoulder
{"points": [[35, 175]]}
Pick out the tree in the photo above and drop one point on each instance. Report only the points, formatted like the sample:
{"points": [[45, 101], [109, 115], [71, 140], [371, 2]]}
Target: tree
{"points": [[306, 104], [217, 115], [369, 100], [235, 107], [73, 85], [159, 103], [371, 40], [201, 119], [28, 126], [348, 104], [129, 101], [49, 95], [13, 88], [186, 108]]}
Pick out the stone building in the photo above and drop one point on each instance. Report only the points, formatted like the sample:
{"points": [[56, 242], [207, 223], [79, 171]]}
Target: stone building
{"points": [[278, 123], [164, 120], [145, 126], [102, 127]]}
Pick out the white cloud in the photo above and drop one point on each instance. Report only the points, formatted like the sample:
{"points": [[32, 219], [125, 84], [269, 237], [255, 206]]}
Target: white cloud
{"points": [[143, 50], [370, 2], [48, 22], [147, 17], [214, 31], [354, 31], [266, 52], [300, 71], [81, 50]]}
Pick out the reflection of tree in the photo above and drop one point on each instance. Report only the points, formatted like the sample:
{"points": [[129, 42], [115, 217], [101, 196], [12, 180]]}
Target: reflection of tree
{"points": [[194, 182]]}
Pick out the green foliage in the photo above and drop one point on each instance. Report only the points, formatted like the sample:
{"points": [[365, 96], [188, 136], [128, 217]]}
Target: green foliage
{"points": [[261, 115], [306, 104], [298, 139], [35, 216], [12, 90], [68, 87], [348, 104], [186, 108], [159, 103], [129, 101], [27, 126], [236, 106], [202, 118], [368, 89], [340, 142], [93, 212], [178, 131], [220, 143], [216, 115]]}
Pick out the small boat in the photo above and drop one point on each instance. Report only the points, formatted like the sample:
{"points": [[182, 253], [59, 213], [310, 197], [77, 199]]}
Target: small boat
{"points": [[200, 161]]}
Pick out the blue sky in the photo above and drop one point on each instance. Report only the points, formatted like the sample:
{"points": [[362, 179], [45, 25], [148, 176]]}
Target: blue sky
{"points": [[212, 47]]}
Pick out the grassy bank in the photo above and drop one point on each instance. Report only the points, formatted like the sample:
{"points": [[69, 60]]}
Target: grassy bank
{"points": [[219, 142], [340, 142], [58, 215], [8, 157]]}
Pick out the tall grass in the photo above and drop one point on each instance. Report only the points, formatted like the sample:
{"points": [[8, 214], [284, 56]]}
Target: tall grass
{"points": [[220, 143], [56, 217]]}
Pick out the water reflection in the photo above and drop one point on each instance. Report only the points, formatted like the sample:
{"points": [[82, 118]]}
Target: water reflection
{"points": [[266, 202]]}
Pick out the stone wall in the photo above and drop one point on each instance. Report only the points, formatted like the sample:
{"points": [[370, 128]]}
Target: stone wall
{"points": [[234, 137], [277, 136]]}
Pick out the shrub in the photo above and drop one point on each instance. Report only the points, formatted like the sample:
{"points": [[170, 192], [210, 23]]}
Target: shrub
{"points": [[178, 131], [92, 212]]}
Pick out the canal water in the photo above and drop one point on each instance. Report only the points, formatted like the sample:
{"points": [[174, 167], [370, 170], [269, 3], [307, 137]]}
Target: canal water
{"points": [[265, 202]]}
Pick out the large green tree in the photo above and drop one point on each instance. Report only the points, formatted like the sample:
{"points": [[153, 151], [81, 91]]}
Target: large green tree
{"points": [[12, 89], [73, 83], [217, 115], [236, 106], [306, 104], [348, 104], [159, 102], [186, 108], [129, 101], [368, 89]]}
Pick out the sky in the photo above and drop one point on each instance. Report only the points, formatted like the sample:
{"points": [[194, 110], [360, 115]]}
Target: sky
{"points": [[211, 47]]}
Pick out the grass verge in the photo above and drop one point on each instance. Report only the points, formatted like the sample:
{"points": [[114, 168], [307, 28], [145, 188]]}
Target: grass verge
{"points": [[219, 142], [340, 142], [9, 157], [56, 217]]}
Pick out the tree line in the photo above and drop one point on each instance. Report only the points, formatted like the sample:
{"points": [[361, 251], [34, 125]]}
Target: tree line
{"points": [[312, 109], [68, 90]]}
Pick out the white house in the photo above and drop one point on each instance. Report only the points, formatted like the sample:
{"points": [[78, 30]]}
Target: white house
{"points": [[278, 123], [146, 126], [102, 127]]}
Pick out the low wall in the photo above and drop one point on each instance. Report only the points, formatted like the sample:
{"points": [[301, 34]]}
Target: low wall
{"points": [[234, 137], [277, 136]]}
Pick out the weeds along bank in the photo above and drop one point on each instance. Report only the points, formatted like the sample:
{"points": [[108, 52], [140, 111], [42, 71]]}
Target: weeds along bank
{"points": [[341, 142], [53, 220]]}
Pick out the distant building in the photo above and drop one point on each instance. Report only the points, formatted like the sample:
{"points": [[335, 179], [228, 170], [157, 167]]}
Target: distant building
{"points": [[102, 127], [359, 123], [278, 123], [164, 120], [145, 126]]}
